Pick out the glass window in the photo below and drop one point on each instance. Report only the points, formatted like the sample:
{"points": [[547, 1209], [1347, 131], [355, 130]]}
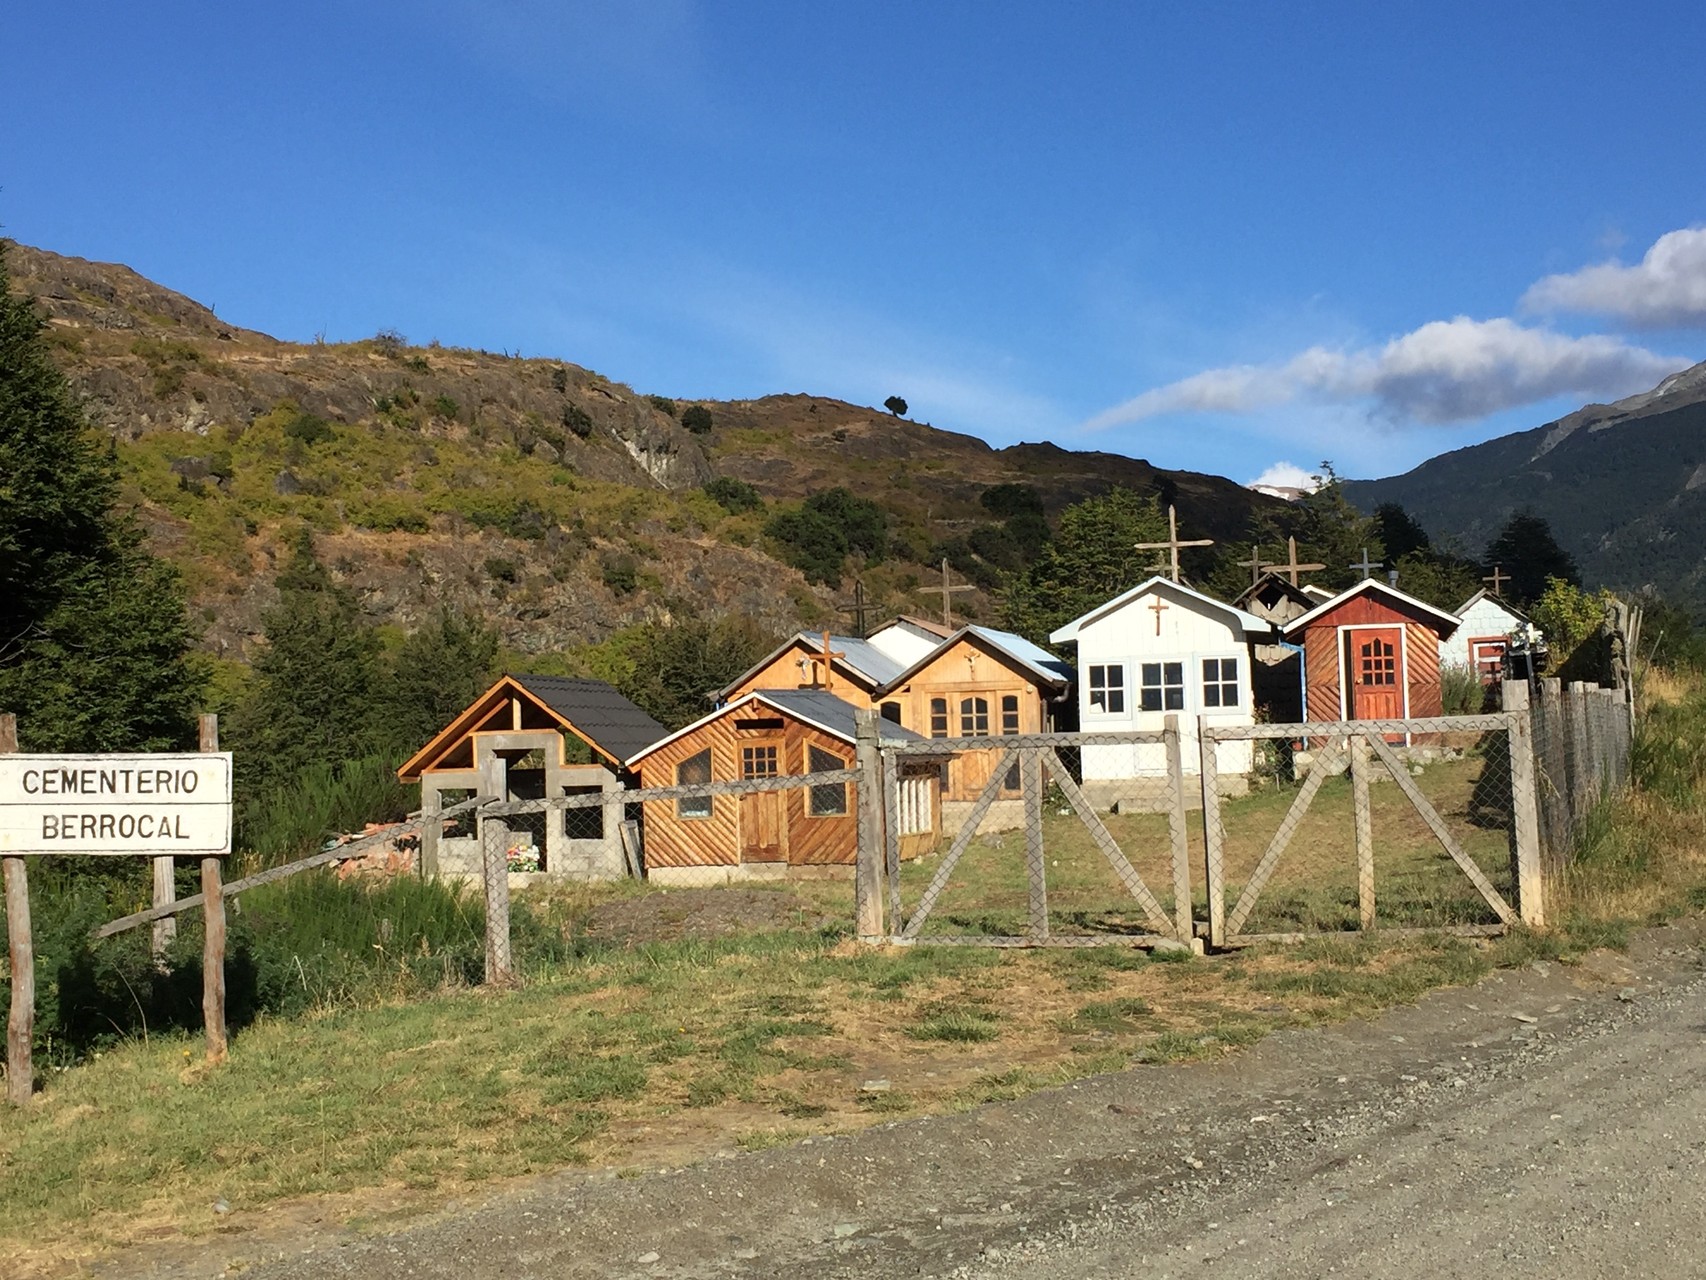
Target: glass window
{"points": [[1163, 687], [1107, 689], [1220, 682], [829, 800], [1010, 714], [694, 769], [758, 762], [974, 717], [938, 717], [1378, 663], [891, 712]]}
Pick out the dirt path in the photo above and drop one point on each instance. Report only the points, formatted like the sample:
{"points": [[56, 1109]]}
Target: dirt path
{"points": [[1534, 1119]]}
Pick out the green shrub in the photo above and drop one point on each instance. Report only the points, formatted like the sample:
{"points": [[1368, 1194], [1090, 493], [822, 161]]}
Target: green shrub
{"points": [[307, 429], [697, 419], [1461, 691], [621, 574], [575, 420], [733, 496], [388, 514], [502, 569], [663, 403], [445, 407]]}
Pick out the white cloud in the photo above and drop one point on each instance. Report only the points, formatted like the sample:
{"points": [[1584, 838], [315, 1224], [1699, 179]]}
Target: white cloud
{"points": [[1284, 475], [1446, 371], [1666, 289]]}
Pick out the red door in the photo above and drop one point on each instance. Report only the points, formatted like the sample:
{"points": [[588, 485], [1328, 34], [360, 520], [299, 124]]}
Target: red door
{"points": [[1374, 666]]}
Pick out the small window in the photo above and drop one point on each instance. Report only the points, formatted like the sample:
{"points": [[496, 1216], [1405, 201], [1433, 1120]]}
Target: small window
{"points": [[938, 717], [830, 799], [459, 826], [891, 712], [588, 823], [1107, 689], [1163, 686], [694, 769], [1220, 682], [974, 717], [758, 762]]}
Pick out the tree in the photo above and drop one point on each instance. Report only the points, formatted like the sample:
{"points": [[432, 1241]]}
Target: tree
{"points": [[1399, 532], [697, 419], [1328, 529], [1526, 550], [733, 496], [95, 642], [670, 670], [817, 538], [442, 667], [316, 694], [896, 406], [1090, 561]]}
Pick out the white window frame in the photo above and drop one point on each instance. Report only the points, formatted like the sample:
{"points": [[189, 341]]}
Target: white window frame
{"points": [[1091, 689], [1183, 685], [1220, 682]]}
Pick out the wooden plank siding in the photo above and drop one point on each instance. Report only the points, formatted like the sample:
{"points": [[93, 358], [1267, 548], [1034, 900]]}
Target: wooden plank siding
{"points": [[719, 840], [951, 676], [1323, 642], [784, 672]]}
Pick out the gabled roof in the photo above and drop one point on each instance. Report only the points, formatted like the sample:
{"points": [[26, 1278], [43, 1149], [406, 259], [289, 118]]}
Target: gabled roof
{"points": [[1271, 581], [1485, 594], [864, 663], [1316, 593], [1042, 665], [1450, 621], [821, 710], [590, 709], [1248, 621]]}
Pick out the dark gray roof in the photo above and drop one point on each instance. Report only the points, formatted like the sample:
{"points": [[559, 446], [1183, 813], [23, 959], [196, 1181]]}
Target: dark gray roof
{"points": [[599, 714], [830, 713]]}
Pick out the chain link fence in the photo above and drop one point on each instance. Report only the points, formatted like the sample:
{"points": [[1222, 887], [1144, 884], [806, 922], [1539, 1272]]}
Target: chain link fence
{"points": [[1320, 828], [1583, 738], [1031, 851]]}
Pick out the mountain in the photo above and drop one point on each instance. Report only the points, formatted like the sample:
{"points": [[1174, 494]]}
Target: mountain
{"points": [[1622, 485], [559, 504]]}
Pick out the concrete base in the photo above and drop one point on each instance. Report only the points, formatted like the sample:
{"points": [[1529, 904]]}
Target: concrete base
{"points": [[1003, 815], [742, 873]]}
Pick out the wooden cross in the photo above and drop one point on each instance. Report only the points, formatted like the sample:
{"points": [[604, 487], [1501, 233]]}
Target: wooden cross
{"points": [[1293, 568], [1173, 543], [858, 608], [826, 660], [947, 590], [1363, 565], [1497, 578], [1255, 564], [1158, 608]]}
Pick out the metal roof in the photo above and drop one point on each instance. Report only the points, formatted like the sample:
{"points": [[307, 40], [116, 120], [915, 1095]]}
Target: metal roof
{"points": [[1026, 652], [815, 707], [598, 713], [1247, 620], [863, 661]]}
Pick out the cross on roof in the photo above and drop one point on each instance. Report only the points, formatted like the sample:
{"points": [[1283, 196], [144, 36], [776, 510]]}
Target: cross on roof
{"points": [[858, 608], [1497, 579], [1158, 608], [1173, 543], [947, 590], [1293, 568], [1255, 564], [1364, 566], [825, 658]]}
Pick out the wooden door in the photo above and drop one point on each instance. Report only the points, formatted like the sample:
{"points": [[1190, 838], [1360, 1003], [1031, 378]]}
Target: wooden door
{"points": [[761, 811], [1374, 667]]}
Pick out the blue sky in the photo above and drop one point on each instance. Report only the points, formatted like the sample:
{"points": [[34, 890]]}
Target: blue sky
{"points": [[1217, 236]]}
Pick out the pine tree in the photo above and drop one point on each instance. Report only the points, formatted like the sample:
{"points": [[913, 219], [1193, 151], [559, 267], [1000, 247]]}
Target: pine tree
{"points": [[441, 668], [1092, 559], [95, 643], [1526, 550], [1328, 529], [317, 694]]}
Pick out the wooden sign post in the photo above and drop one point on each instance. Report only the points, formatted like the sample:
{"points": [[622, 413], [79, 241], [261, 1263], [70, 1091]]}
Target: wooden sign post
{"points": [[110, 806], [1172, 545], [947, 589]]}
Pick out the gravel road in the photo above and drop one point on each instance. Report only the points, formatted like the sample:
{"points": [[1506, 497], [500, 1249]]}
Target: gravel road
{"points": [[1547, 1122]]}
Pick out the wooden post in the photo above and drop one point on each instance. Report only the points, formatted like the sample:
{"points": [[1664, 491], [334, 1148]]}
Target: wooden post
{"points": [[165, 893], [868, 887], [1549, 733], [213, 941], [1526, 871], [1036, 863], [1214, 839], [494, 858], [1361, 763], [20, 1024], [1576, 713], [1176, 829]]}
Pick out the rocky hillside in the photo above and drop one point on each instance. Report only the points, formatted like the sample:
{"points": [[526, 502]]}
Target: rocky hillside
{"points": [[561, 505], [1622, 485]]}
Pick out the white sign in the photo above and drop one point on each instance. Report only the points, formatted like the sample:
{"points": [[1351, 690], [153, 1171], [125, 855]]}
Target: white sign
{"points": [[116, 804]]}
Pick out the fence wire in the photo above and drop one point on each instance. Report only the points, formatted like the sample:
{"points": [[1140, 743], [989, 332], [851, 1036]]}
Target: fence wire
{"points": [[1583, 740], [1335, 827], [1029, 851]]}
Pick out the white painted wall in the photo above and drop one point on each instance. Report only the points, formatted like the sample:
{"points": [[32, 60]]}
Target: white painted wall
{"points": [[1190, 632], [1486, 617]]}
